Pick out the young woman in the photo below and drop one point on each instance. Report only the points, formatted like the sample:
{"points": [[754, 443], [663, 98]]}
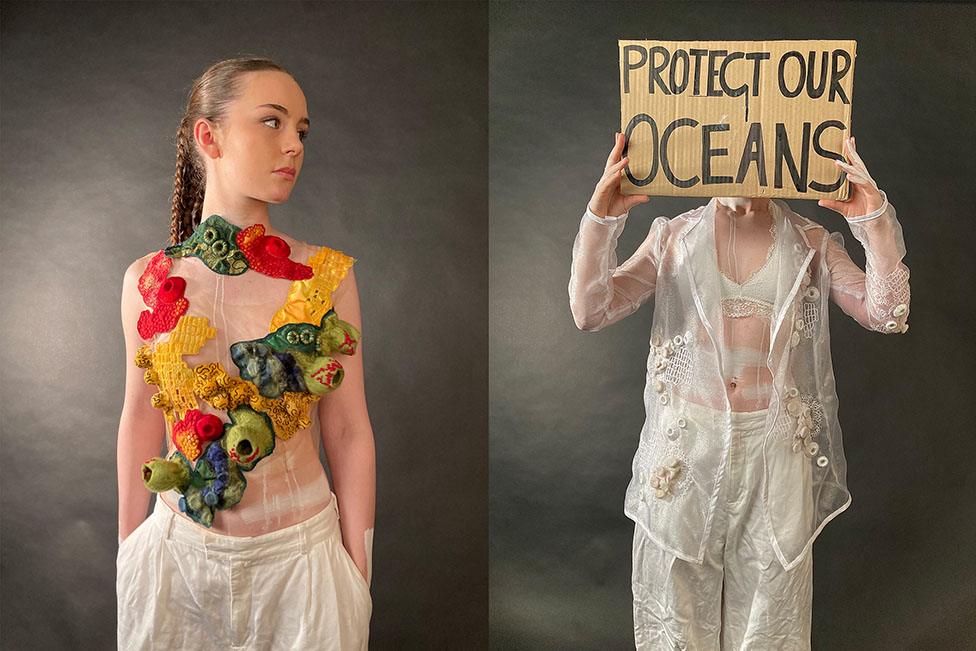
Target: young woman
{"points": [[243, 348], [740, 462]]}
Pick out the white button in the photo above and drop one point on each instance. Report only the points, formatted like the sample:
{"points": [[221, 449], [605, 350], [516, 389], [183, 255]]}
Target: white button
{"points": [[678, 340], [899, 309], [682, 423], [904, 328], [664, 398], [798, 324], [891, 326], [658, 386], [687, 336], [822, 461], [795, 339], [812, 448], [792, 393], [673, 433], [656, 340], [812, 294]]}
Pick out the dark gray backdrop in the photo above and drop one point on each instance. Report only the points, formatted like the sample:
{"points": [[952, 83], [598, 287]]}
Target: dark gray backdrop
{"points": [[395, 175], [896, 570]]}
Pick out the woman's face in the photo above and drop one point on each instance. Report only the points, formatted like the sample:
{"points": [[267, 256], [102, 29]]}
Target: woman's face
{"points": [[263, 131]]}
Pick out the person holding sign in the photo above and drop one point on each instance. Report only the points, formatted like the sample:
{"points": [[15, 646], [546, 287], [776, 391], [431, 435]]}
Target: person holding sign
{"points": [[740, 462]]}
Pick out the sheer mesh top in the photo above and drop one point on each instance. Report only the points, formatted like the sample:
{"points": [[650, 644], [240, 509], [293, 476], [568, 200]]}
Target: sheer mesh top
{"points": [[287, 484]]}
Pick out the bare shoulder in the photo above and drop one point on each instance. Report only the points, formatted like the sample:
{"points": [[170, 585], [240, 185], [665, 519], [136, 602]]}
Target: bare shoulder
{"points": [[136, 268]]}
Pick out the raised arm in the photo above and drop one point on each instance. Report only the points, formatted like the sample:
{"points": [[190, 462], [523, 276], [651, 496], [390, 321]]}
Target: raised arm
{"points": [[878, 296], [348, 438], [142, 427], [600, 292]]}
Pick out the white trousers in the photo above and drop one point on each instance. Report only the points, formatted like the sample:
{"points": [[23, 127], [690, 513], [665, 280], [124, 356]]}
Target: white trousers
{"points": [[181, 586], [740, 597]]}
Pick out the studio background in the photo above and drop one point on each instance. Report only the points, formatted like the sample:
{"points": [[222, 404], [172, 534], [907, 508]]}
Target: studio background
{"points": [[395, 174], [895, 570]]}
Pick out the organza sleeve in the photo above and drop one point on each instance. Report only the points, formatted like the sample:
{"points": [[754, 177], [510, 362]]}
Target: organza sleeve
{"points": [[600, 291], [878, 296]]}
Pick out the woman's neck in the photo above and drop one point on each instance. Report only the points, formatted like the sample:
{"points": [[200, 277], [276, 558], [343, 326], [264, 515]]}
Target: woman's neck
{"points": [[745, 210]]}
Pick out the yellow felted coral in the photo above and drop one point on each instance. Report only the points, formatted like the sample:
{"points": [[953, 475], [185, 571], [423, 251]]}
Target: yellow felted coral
{"points": [[289, 413], [166, 368], [308, 300]]}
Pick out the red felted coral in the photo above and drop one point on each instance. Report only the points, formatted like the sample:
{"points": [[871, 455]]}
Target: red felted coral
{"points": [[268, 254], [192, 434], [163, 294]]}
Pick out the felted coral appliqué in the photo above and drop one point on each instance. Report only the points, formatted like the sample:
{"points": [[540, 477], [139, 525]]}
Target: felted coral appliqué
{"points": [[164, 296], [281, 374], [309, 300], [297, 357], [268, 254], [195, 431], [215, 242], [165, 366]]}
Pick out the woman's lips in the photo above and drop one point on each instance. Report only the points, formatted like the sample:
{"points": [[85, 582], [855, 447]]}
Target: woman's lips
{"points": [[287, 175]]}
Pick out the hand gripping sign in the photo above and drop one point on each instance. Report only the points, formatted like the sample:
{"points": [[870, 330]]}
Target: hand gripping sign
{"points": [[736, 118]]}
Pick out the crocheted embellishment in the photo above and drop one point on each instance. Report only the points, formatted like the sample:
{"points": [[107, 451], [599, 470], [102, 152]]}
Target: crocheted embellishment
{"points": [[288, 414], [296, 357], [807, 414], [163, 295], [811, 315], [885, 295], [268, 254], [215, 242], [671, 362], [165, 366], [664, 476], [309, 300], [192, 433]]}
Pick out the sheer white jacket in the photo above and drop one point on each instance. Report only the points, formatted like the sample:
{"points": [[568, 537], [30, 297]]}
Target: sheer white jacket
{"points": [[680, 459]]}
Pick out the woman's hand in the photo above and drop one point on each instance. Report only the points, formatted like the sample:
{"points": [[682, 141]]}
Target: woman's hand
{"points": [[606, 199], [865, 197]]}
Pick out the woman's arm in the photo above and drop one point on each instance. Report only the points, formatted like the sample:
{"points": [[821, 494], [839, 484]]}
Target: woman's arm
{"points": [[142, 427], [348, 439], [601, 292], [878, 296]]}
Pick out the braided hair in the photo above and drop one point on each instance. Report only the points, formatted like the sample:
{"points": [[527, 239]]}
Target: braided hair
{"points": [[209, 97]]}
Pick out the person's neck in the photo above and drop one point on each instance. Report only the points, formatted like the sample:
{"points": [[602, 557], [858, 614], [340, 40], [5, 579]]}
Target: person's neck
{"points": [[745, 210], [240, 214]]}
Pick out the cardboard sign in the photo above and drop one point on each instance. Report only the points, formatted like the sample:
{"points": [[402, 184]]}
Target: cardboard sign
{"points": [[736, 118]]}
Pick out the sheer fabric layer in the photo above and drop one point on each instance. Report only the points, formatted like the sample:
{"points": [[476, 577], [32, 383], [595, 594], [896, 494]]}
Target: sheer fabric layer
{"points": [[727, 360], [289, 485]]}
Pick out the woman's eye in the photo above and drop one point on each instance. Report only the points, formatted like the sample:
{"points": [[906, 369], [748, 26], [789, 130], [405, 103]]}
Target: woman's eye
{"points": [[301, 134]]}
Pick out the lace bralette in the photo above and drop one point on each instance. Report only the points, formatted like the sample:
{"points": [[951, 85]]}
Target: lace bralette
{"points": [[756, 294]]}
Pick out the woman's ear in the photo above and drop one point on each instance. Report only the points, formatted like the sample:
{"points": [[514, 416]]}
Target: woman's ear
{"points": [[207, 137]]}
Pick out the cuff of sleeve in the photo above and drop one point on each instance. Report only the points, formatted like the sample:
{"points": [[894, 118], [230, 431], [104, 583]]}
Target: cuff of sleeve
{"points": [[604, 220], [873, 215]]}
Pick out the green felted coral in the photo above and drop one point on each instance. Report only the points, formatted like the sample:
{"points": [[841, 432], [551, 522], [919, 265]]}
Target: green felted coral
{"points": [[249, 437], [165, 474], [215, 242], [336, 335]]}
